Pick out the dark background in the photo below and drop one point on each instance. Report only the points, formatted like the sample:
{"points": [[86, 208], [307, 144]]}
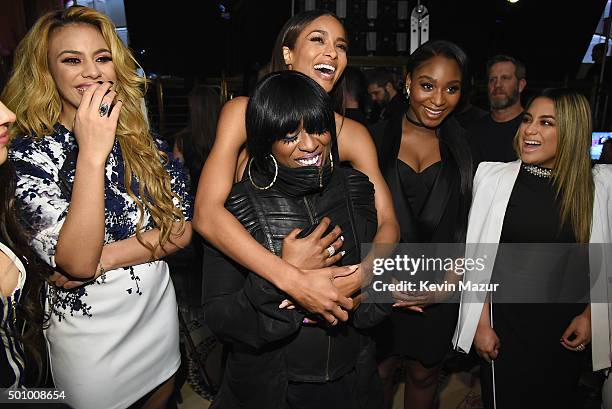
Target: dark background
{"points": [[192, 38]]}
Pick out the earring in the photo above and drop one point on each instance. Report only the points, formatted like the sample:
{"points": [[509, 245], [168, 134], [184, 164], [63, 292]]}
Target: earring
{"points": [[273, 179], [407, 93]]}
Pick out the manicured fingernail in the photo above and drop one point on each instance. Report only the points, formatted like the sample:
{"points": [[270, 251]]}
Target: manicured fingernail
{"points": [[342, 238], [305, 321], [342, 253]]}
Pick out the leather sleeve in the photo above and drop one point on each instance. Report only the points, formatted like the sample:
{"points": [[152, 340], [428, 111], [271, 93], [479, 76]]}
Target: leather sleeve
{"points": [[243, 308]]}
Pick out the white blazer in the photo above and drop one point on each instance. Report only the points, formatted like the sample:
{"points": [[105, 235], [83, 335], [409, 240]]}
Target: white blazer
{"points": [[493, 185]]}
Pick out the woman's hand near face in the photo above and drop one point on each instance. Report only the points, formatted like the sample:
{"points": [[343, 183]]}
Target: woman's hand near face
{"points": [[79, 244], [94, 132], [311, 252]]}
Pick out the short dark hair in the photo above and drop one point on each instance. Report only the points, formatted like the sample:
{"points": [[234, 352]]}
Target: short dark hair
{"points": [[280, 102], [382, 76], [519, 67], [435, 48]]}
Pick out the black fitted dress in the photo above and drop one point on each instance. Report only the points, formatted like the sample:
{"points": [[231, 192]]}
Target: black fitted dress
{"points": [[533, 370], [431, 207]]}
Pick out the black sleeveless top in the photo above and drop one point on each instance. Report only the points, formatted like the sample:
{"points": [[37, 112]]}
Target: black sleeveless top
{"points": [[417, 185]]}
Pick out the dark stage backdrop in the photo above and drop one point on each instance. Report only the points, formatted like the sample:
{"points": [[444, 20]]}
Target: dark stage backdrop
{"points": [[196, 38]]}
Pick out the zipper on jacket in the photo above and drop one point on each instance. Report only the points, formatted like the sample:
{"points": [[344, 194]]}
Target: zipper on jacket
{"points": [[312, 220], [309, 210], [328, 354]]}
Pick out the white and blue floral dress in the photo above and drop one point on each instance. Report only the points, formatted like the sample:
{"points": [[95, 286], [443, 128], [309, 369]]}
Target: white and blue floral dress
{"points": [[116, 338]]}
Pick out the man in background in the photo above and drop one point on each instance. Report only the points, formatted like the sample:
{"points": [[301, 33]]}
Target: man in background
{"points": [[355, 95], [382, 87], [492, 136]]}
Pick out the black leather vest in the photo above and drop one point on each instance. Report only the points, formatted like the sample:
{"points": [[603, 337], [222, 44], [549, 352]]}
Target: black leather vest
{"points": [[269, 215], [316, 353]]}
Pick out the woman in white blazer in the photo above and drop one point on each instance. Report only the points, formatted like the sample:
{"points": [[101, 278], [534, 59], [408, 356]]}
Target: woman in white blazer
{"points": [[551, 195]]}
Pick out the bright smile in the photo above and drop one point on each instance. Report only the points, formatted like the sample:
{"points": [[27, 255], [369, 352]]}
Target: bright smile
{"points": [[530, 145], [310, 160], [325, 71], [434, 113]]}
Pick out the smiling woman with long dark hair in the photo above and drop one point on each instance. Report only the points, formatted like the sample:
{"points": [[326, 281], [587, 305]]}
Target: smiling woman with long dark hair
{"points": [[313, 43], [425, 160]]}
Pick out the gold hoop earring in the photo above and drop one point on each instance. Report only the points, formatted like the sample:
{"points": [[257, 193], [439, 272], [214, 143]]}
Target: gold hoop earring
{"points": [[273, 179]]}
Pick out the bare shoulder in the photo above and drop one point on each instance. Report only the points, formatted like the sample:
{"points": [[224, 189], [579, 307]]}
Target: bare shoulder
{"points": [[235, 106], [346, 127], [353, 138], [231, 128]]}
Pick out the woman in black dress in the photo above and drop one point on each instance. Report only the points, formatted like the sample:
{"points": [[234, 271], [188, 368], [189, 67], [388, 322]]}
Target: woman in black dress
{"points": [[428, 166]]}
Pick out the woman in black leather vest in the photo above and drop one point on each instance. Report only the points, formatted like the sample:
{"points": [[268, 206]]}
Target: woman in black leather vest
{"points": [[279, 357]]}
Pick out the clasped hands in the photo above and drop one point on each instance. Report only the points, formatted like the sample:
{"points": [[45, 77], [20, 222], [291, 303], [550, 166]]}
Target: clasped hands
{"points": [[321, 288]]}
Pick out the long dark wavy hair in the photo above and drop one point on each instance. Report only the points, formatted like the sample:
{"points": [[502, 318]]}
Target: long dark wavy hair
{"points": [[450, 133], [451, 51], [287, 37], [30, 311], [196, 140]]}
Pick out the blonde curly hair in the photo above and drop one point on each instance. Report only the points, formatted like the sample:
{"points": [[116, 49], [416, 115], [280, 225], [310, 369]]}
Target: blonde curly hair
{"points": [[32, 94]]}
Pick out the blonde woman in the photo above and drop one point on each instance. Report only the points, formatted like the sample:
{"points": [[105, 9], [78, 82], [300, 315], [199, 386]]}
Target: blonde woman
{"points": [[551, 195], [104, 204]]}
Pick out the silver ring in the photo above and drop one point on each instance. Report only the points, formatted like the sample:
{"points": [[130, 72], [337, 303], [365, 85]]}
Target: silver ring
{"points": [[103, 110], [331, 250]]}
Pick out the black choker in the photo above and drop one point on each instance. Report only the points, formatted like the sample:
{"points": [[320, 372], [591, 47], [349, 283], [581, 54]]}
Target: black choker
{"points": [[413, 122]]}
